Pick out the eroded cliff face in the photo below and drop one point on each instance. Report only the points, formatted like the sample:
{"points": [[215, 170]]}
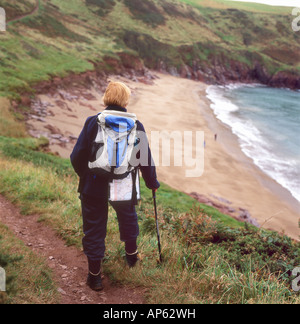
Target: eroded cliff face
{"points": [[238, 72], [218, 71], [213, 64]]}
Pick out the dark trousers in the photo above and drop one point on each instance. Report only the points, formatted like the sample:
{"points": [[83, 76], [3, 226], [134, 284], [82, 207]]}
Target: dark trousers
{"points": [[95, 215]]}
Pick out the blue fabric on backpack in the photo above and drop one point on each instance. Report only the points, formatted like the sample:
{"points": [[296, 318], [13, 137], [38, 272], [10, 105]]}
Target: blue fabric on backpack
{"points": [[117, 152], [110, 150], [121, 151], [119, 124]]}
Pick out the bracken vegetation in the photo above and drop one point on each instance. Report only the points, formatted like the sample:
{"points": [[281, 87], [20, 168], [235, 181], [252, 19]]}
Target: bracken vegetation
{"points": [[145, 11]]}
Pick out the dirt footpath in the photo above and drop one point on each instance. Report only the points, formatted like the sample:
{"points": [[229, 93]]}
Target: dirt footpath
{"points": [[68, 264]]}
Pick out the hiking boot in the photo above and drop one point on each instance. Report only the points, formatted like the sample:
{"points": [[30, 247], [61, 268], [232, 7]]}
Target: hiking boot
{"points": [[94, 281], [132, 259]]}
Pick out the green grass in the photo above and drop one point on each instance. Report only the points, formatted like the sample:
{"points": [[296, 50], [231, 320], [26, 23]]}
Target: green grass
{"points": [[9, 126], [28, 278], [42, 52], [208, 257]]}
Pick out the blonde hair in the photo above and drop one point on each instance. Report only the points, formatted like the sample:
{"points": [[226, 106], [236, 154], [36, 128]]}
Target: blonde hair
{"points": [[116, 93]]}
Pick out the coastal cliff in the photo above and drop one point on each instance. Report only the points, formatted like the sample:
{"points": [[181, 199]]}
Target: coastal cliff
{"points": [[216, 42]]}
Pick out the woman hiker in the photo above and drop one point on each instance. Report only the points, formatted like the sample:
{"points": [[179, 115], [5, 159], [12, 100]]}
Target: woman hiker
{"points": [[93, 191]]}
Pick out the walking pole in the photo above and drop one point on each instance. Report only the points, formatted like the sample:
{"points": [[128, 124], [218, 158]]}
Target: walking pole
{"points": [[157, 228]]}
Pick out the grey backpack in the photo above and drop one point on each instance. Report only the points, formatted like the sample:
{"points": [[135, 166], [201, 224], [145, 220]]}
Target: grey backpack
{"points": [[114, 144]]}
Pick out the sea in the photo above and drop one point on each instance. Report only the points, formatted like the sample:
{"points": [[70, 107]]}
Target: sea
{"points": [[267, 123]]}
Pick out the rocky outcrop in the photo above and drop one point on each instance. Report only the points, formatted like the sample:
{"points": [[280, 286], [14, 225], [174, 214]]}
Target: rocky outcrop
{"points": [[235, 71], [284, 79], [124, 64], [61, 94], [224, 206]]}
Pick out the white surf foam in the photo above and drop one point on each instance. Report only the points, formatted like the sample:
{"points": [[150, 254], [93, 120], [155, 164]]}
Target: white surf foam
{"points": [[253, 143]]}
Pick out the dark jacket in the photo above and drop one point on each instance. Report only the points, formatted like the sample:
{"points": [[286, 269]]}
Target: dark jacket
{"points": [[91, 184]]}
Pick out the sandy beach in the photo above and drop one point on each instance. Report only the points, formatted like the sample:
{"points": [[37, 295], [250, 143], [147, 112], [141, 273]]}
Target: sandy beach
{"points": [[176, 104]]}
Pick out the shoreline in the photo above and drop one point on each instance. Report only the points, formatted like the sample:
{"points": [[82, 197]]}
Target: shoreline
{"points": [[172, 103], [235, 150], [278, 210]]}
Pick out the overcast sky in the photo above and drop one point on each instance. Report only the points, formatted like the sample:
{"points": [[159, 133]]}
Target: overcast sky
{"points": [[286, 3]]}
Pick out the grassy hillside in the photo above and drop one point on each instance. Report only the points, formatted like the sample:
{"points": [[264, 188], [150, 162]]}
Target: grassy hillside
{"points": [[77, 35], [208, 257]]}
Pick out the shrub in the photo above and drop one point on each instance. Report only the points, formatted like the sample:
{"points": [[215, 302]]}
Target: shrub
{"points": [[247, 248], [146, 11], [105, 6]]}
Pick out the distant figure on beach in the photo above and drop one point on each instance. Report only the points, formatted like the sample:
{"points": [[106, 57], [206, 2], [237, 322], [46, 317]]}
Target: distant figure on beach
{"points": [[216, 136], [93, 188]]}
